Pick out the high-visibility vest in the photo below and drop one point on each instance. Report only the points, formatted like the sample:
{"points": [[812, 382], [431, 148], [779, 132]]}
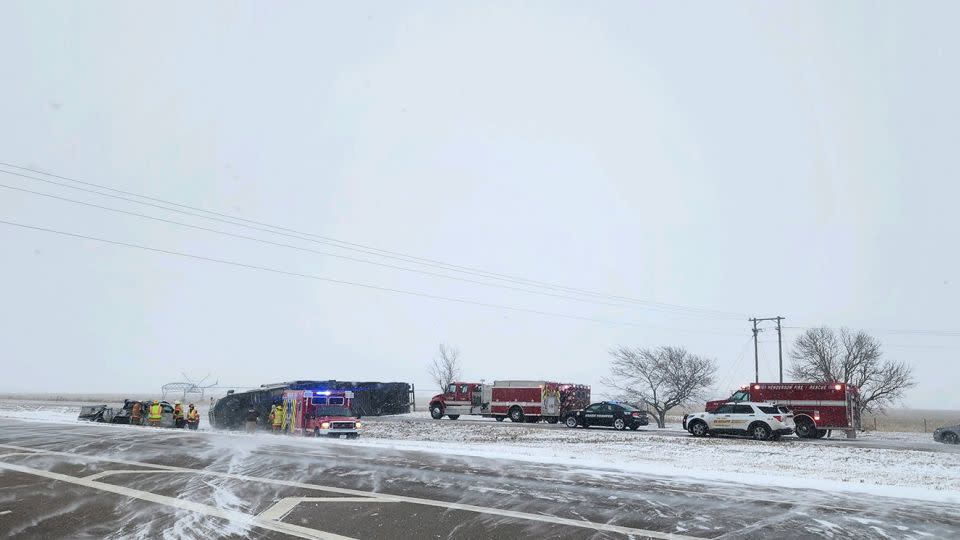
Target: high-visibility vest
{"points": [[177, 411], [156, 411], [278, 417], [193, 416]]}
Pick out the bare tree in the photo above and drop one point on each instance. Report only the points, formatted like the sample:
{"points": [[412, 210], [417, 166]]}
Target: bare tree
{"points": [[660, 378], [445, 367], [825, 355]]}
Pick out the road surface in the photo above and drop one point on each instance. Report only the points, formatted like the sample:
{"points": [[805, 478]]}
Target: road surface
{"points": [[99, 481]]}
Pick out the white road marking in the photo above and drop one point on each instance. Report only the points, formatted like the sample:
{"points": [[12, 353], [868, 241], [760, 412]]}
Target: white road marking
{"points": [[283, 507], [629, 531], [5, 512], [207, 510]]}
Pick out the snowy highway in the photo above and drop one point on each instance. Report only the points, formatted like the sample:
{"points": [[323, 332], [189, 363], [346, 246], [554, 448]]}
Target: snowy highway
{"points": [[60, 480]]}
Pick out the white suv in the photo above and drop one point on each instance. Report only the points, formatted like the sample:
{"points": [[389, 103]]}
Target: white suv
{"points": [[761, 421]]}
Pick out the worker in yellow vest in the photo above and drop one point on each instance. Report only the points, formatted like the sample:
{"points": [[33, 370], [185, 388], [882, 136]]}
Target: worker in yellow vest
{"points": [[278, 419], [155, 414], [193, 417]]}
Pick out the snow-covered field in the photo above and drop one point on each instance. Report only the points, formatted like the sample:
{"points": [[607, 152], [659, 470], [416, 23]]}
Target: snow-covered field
{"points": [[897, 472]]}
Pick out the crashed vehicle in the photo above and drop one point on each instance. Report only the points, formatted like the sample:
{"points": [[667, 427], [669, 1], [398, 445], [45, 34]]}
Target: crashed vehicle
{"points": [[112, 415], [96, 413], [947, 434], [368, 399]]}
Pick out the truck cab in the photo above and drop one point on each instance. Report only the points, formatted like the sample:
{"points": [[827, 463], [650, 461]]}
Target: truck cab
{"points": [[458, 398]]}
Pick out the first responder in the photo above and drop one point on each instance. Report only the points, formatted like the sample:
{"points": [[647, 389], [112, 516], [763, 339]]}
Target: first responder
{"points": [[278, 419], [136, 414], [177, 415], [193, 418], [155, 414]]}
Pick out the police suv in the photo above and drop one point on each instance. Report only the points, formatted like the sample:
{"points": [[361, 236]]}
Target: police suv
{"points": [[762, 421]]}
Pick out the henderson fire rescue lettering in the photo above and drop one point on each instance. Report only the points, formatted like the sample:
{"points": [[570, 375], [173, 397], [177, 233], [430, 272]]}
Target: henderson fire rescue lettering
{"points": [[521, 401], [817, 407]]}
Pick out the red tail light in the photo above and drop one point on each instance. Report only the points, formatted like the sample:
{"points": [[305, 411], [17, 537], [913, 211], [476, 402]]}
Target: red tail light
{"points": [[635, 413], [778, 418]]}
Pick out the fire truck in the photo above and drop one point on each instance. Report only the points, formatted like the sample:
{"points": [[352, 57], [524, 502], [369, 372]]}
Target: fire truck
{"points": [[817, 407], [316, 413], [521, 401]]}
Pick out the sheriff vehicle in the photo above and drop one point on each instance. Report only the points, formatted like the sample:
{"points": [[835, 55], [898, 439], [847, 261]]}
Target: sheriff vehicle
{"points": [[619, 416], [762, 421], [817, 407]]}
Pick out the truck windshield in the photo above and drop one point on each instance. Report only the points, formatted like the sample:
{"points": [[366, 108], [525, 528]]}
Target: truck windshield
{"points": [[332, 410], [740, 396]]}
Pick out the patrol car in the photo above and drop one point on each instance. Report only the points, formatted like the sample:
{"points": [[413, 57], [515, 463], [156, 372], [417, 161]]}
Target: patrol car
{"points": [[620, 416], [762, 421]]}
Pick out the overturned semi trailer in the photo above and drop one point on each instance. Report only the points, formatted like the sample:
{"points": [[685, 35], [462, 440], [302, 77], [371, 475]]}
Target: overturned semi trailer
{"points": [[369, 399]]}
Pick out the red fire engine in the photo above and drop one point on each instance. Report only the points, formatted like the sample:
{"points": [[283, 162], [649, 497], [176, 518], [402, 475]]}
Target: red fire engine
{"points": [[521, 401], [817, 407], [320, 413]]}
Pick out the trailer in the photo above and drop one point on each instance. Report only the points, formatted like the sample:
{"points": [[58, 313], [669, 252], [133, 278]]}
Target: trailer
{"points": [[369, 399], [519, 400]]}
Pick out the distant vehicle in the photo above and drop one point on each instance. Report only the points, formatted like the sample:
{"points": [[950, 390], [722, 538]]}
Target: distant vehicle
{"points": [[817, 407], [321, 413], [619, 416], [947, 434], [762, 421], [520, 401]]}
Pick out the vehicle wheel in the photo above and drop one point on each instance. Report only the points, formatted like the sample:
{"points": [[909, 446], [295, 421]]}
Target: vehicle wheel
{"points": [[698, 428], [453, 416], [499, 418], [760, 431], [805, 428], [821, 433], [571, 421], [436, 412], [950, 438], [516, 414], [553, 420], [619, 424]]}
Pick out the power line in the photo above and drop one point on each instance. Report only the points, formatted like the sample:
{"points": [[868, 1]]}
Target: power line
{"points": [[285, 231], [325, 253], [911, 332], [352, 283]]}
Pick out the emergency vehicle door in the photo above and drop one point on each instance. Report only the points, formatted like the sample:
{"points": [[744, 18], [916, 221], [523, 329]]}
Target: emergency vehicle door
{"points": [[591, 414], [605, 416], [722, 418], [742, 416]]}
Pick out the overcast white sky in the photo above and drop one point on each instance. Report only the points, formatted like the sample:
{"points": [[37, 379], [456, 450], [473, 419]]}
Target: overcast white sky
{"points": [[755, 158]]}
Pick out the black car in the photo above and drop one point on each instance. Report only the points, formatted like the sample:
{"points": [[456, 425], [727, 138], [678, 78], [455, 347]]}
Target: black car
{"points": [[947, 434], [617, 415]]}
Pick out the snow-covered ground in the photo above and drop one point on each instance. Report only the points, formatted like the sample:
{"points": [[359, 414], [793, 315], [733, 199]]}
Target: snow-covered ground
{"points": [[897, 472]]}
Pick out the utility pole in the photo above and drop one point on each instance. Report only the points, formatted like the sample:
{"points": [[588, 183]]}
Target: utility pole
{"points": [[780, 346], [756, 358]]}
